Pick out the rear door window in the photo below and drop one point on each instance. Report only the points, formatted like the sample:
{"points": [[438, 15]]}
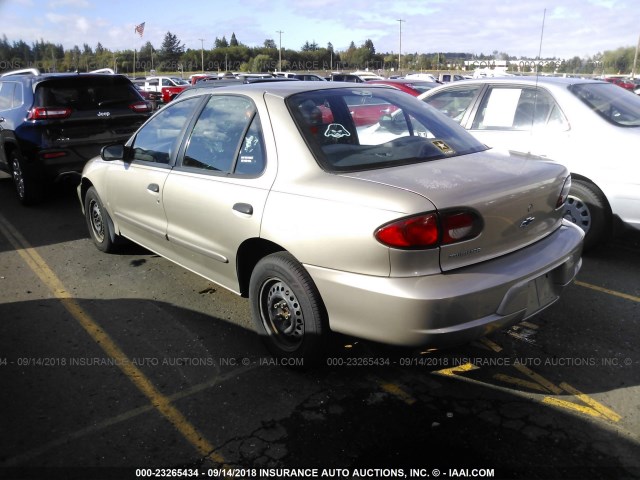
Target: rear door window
{"points": [[226, 138], [7, 90], [515, 108]]}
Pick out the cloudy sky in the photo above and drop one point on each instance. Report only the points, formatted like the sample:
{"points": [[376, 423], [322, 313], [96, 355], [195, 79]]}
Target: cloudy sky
{"points": [[571, 27]]}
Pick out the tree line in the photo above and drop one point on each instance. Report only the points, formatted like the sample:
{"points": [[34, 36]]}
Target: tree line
{"points": [[232, 55]]}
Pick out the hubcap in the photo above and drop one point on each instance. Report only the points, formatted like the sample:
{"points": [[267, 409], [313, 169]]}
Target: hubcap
{"points": [[577, 211], [281, 314], [18, 178], [95, 218]]}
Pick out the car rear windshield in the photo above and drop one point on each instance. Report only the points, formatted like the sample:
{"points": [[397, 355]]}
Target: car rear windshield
{"points": [[361, 128], [611, 102], [86, 92]]}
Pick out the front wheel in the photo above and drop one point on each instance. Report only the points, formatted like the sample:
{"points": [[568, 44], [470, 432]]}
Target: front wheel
{"points": [[587, 207], [98, 222], [287, 309]]}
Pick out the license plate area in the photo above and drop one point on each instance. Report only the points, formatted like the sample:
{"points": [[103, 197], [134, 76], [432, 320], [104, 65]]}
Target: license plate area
{"points": [[540, 293]]}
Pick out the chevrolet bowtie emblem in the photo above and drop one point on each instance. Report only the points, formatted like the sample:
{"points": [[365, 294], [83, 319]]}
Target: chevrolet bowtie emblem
{"points": [[527, 221]]}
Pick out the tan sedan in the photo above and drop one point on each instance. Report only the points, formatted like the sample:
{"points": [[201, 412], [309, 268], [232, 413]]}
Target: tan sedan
{"points": [[405, 230]]}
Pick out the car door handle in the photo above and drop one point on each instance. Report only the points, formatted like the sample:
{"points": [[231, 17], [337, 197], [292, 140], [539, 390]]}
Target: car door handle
{"points": [[244, 208], [153, 187]]}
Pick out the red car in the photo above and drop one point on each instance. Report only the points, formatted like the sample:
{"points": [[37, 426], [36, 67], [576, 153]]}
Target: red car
{"points": [[622, 82], [412, 87]]}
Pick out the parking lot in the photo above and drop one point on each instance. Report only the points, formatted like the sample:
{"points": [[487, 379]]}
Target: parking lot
{"points": [[127, 366]]}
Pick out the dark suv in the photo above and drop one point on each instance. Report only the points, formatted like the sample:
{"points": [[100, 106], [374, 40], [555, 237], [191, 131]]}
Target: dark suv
{"points": [[51, 124]]}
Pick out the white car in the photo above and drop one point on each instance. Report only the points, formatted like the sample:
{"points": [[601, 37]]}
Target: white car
{"points": [[591, 127]]}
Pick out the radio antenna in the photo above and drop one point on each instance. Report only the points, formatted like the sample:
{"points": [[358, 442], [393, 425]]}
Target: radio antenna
{"points": [[544, 15]]}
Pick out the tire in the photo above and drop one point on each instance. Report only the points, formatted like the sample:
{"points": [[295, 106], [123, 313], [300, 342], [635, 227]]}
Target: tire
{"points": [[287, 310], [587, 207], [98, 222], [28, 185]]}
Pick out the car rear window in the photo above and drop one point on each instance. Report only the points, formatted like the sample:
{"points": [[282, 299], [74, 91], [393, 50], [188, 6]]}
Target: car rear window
{"points": [[361, 128], [611, 102], [86, 92]]}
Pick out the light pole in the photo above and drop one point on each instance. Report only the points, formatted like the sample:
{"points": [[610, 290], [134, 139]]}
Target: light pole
{"points": [[280, 32], [400, 49], [202, 52]]}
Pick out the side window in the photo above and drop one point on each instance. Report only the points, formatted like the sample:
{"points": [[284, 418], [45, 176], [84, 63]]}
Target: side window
{"points": [[227, 138], [6, 95], [454, 102], [156, 141], [18, 100], [518, 109]]}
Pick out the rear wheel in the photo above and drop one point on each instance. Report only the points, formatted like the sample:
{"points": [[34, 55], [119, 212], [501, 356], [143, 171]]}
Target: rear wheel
{"points": [[587, 207], [98, 222], [29, 186], [287, 309]]}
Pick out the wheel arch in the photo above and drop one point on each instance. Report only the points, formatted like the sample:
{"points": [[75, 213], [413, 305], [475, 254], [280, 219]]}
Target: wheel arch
{"points": [[593, 185], [85, 185], [250, 252]]}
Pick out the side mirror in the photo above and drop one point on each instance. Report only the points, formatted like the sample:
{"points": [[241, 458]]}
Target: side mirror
{"points": [[113, 152]]}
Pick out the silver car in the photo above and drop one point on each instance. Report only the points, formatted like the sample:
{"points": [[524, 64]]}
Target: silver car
{"points": [[593, 128], [339, 207]]}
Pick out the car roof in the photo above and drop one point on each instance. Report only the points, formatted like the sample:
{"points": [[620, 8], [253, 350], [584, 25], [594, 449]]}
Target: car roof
{"points": [[280, 89], [529, 79], [547, 81], [404, 81]]}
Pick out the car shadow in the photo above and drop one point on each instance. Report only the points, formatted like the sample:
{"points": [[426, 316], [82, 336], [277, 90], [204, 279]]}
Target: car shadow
{"points": [[67, 403]]}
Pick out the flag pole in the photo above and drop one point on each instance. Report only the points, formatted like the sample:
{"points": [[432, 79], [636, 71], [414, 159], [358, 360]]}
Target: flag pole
{"points": [[139, 29]]}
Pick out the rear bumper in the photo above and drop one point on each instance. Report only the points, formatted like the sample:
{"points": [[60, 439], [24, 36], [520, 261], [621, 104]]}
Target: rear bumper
{"points": [[455, 307]]}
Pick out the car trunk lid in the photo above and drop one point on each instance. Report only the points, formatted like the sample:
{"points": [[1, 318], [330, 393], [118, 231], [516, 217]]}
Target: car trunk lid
{"points": [[515, 195]]}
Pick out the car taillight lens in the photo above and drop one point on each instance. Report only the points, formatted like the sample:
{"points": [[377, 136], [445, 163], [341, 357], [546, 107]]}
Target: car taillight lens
{"points": [[48, 113], [430, 230], [564, 193], [140, 107], [414, 232], [459, 226]]}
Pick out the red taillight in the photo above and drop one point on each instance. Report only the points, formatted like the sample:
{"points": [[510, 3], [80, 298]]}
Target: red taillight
{"points": [[49, 155], [48, 113], [414, 232], [140, 107], [430, 230]]}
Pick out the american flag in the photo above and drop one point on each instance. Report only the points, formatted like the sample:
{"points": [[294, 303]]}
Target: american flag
{"points": [[140, 29]]}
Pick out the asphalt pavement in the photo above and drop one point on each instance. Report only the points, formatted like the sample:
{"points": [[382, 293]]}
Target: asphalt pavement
{"points": [[127, 366]]}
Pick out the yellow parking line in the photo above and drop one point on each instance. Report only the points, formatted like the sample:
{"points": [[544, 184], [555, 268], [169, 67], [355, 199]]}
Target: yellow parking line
{"points": [[626, 296], [538, 378], [397, 391], [558, 402], [520, 383], [490, 345], [595, 405], [159, 401], [451, 372]]}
